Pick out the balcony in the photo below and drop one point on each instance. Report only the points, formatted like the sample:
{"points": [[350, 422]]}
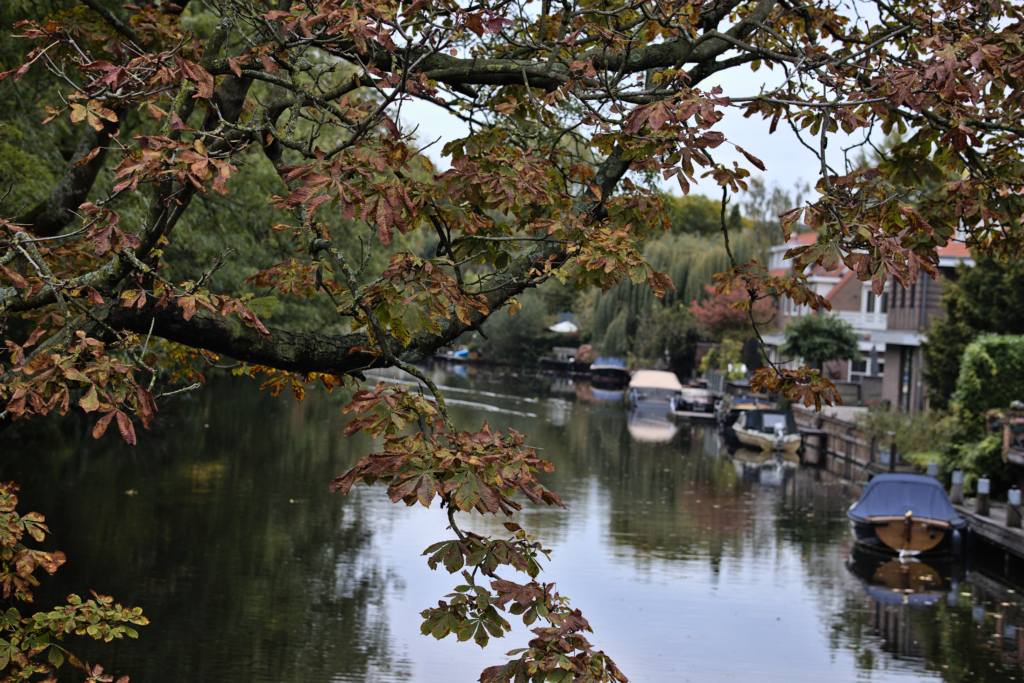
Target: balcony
{"points": [[863, 321]]}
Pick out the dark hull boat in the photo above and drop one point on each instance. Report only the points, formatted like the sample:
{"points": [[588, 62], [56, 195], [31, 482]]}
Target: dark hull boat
{"points": [[908, 514]]}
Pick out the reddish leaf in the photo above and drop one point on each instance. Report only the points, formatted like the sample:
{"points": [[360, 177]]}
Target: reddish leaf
{"points": [[124, 424]]}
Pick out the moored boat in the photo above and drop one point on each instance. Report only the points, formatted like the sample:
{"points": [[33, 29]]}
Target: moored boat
{"points": [[729, 408], [768, 430], [609, 372], [908, 514], [653, 386], [694, 399]]}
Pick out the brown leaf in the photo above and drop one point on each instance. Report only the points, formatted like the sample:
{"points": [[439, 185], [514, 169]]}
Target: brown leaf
{"points": [[87, 158], [124, 424], [200, 76], [102, 424], [15, 277]]}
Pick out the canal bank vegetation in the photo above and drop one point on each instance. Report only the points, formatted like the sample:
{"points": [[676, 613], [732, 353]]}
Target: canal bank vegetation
{"points": [[987, 298], [242, 183], [969, 435], [974, 366]]}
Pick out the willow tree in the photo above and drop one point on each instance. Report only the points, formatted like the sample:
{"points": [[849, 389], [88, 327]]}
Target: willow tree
{"points": [[568, 106]]}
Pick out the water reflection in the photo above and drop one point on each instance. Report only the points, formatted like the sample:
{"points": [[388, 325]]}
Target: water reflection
{"points": [[690, 562], [648, 423], [245, 568], [905, 581]]}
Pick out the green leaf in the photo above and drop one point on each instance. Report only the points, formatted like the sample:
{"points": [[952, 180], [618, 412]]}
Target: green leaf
{"points": [[11, 620], [440, 629], [55, 656], [453, 559], [7, 651], [262, 306]]}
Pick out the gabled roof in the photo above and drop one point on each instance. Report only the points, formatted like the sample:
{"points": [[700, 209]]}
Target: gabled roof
{"points": [[954, 250]]}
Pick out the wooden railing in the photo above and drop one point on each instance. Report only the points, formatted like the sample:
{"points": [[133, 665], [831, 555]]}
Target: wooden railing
{"points": [[841, 447]]}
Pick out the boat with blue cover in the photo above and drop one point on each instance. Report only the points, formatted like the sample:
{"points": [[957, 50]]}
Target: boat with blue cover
{"points": [[908, 514]]}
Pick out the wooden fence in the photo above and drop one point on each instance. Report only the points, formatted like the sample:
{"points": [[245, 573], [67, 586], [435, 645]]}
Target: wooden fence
{"points": [[841, 447]]}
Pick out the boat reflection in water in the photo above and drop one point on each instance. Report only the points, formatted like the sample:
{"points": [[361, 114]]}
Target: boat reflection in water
{"points": [[905, 581], [649, 423], [595, 392], [762, 467]]}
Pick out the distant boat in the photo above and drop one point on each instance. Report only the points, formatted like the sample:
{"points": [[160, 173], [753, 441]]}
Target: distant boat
{"points": [[768, 430], [907, 514], [729, 408], [694, 400], [653, 386], [609, 372]]}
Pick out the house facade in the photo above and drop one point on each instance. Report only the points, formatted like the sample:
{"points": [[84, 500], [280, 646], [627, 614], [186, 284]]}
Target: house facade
{"points": [[890, 326]]}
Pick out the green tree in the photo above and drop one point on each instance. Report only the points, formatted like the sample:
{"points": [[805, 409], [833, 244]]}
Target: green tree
{"points": [[819, 339], [986, 298], [521, 339], [991, 374], [728, 353], [669, 333], [695, 214]]}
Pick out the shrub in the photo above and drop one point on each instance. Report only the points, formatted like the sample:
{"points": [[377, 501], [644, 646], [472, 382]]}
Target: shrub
{"points": [[991, 374], [917, 438]]}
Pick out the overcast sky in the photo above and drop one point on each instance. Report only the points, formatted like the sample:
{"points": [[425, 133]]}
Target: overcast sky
{"points": [[786, 160]]}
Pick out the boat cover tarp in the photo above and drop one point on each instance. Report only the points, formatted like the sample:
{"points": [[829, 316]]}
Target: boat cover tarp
{"points": [[655, 379], [893, 495]]}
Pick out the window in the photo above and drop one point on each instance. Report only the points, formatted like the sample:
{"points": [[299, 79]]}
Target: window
{"points": [[871, 301], [860, 368], [903, 297], [884, 308], [913, 294], [906, 373]]}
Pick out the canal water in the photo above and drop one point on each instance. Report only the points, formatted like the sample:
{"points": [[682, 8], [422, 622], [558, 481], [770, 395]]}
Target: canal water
{"points": [[691, 564]]}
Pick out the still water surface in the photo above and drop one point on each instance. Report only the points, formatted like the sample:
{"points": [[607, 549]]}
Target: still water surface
{"points": [[691, 565]]}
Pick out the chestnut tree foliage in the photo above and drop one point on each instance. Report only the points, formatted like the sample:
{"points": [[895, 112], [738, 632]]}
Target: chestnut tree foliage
{"points": [[32, 647], [572, 108]]}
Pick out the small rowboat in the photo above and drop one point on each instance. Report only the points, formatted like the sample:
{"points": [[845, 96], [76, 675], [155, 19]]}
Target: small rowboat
{"points": [[908, 514]]}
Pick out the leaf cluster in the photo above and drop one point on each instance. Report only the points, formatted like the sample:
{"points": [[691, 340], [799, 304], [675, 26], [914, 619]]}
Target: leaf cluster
{"points": [[25, 638]]}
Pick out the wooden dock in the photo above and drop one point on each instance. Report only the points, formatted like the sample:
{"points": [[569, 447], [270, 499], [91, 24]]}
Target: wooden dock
{"points": [[993, 528]]}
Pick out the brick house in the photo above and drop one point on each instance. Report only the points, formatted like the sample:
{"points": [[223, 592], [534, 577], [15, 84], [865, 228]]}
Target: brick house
{"points": [[890, 326]]}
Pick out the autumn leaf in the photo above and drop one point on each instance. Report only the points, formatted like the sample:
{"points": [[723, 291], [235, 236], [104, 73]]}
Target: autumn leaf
{"points": [[124, 425], [90, 401], [200, 76], [92, 113]]}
